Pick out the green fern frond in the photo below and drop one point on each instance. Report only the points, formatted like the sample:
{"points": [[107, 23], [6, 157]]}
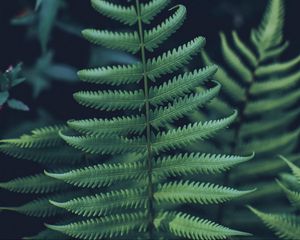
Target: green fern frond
{"points": [[271, 145], [105, 145], [293, 196], [195, 163], [234, 61], [182, 106], [60, 154], [285, 226], [41, 206], [171, 61], [122, 14], [111, 100], [151, 9], [180, 85], [195, 192], [269, 33], [115, 75], [106, 227], [106, 127], [185, 135], [275, 84], [245, 50], [115, 40], [105, 204], [293, 167], [186, 226], [102, 174], [157, 35], [38, 183], [44, 137], [277, 68]]}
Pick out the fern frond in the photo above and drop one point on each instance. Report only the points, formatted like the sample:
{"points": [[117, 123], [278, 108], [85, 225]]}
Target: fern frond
{"points": [[182, 106], [195, 163], [126, 15], [285, 226], [293, 167], [157, 35], [263, 126], [115, 40], [171, 61], [41, 206], [59, 154], [234, 61], [38, 183], [185, 135], [275, 84], [115, 75], [111, 100], [277, 68], [102, 174], [151, 9], [39, 138], [106, 127], [271, 144], [186, 226], [293, 196], [195, 192], [245, 50], [273, 104], [269, 33], [106, 203], [231, 87], [105, 145], [180, 85], [105, 227]]}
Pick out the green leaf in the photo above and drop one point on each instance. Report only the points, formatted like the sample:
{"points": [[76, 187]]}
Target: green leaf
{"points": [[105, 227], [101, 175], [115, 75], [195, 192], [186, 226], [171, 61], [185, 135], [111, 100], [3, 97], [17, 105], [159, 34], [196, 163], [115, 40], [105, 204], [179, 86], [106, 127], [126, 15], [39, 183], [152, 8], [284, 226], [182, 106]]}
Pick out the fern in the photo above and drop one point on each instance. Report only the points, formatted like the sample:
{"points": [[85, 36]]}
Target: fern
{"points": [[285, 226], [265, 91], [137, 192]]}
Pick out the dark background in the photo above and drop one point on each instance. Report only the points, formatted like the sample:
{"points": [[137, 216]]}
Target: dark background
{"points": [[205, 18]]}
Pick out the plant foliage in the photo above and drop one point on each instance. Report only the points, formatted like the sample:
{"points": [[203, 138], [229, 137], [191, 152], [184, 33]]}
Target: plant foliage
{"points": [[285, 226], [265, 92], [138, 192]]}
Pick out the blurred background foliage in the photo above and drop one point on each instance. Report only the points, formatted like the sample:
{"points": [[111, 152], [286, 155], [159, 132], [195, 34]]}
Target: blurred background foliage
{"points": [[44, 35]]}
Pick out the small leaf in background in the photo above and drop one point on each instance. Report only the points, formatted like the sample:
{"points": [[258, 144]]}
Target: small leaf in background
{"points": [[61, 72], [47, 15], [38, 4], [3, 97], [17, 105]]}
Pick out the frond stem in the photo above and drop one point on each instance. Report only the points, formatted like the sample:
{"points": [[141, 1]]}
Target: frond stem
{"points": [[148, 124]]}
